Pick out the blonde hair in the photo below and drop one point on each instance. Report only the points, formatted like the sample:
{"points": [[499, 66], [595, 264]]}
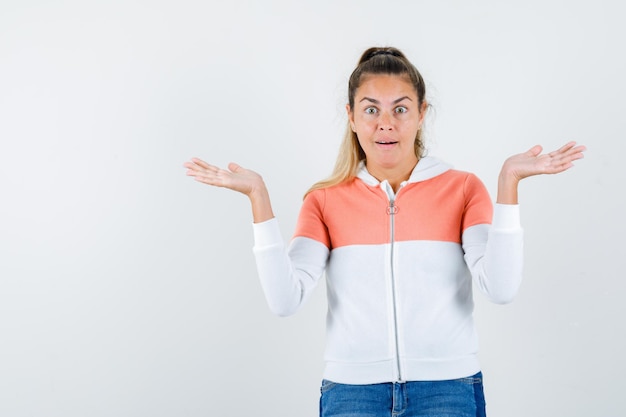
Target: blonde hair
{"points": [[386, 60]]}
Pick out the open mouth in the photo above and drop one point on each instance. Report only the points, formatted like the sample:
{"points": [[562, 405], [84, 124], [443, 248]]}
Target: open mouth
{"points": [[383, 142]]}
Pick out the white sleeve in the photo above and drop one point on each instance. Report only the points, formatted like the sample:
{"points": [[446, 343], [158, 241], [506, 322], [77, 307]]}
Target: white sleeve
{"points": [[287, 276], [494, 254]]}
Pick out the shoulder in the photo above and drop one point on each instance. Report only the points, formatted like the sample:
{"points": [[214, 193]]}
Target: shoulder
{"points": [[467, 178], [335, 189], [338, 196], [458, 173]]}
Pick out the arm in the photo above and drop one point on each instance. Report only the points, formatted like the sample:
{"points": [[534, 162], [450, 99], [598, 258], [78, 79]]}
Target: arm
{"points": [[287, 276], [237, 179], [532, 162], [492, 243], [495, 253]]}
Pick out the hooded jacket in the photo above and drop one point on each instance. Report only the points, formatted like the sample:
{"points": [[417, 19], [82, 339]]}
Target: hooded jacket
{"points": [[399, 271]]}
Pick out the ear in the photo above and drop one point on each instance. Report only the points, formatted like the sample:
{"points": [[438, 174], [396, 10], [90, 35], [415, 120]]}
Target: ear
{"points": [[350, 117], [423, 109]]}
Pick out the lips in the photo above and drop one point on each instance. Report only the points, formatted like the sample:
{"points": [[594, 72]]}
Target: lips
{"points": [[386, 142]]}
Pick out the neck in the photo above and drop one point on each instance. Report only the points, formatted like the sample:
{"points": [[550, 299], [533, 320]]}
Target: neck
{"points": [[395, 175]]}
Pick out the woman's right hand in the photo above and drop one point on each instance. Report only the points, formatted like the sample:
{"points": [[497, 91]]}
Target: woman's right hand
{"points": [[236, 178]]}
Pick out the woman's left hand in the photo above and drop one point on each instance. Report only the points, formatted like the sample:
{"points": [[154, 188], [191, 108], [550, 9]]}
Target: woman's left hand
{"points": [[533, 162]]}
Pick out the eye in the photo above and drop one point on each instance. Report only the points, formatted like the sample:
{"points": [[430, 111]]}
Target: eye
{"points": [[371, 110], [401, 109]]}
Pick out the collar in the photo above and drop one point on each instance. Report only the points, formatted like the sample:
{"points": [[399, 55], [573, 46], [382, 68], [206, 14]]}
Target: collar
{"points": [[427, 167]]}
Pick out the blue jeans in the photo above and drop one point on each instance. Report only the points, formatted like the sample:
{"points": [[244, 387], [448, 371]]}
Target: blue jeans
{"points": [[462, 397]]}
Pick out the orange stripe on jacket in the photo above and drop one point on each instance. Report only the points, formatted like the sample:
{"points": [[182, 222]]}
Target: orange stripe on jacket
{"points": [[354, 213]]}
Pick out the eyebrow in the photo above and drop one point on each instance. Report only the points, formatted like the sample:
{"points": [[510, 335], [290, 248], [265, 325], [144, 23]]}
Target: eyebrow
{"points": [[396, 101]]}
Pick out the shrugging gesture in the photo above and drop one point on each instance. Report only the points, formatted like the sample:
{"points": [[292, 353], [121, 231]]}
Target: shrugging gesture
{"points": [[533, 162], [238, 179], [423, 273]]}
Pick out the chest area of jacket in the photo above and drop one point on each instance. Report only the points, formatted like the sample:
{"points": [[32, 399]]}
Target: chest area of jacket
{"points": [[419, 212]]}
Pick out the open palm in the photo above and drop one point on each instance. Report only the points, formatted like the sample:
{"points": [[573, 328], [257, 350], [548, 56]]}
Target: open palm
{"points": [[235, 177], [533, 162]]}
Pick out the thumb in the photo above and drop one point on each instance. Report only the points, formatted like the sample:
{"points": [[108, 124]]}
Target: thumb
{"points": [[233, 167], [535, 150]]}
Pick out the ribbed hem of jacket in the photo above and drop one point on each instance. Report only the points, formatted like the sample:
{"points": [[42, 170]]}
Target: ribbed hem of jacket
{"points": [[412, 369]]}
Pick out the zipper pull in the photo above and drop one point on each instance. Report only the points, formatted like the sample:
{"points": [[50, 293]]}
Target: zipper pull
{"points": [[392, 208]]}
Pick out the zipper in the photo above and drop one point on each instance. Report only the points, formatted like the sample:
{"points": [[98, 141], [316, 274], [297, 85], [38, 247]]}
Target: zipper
{"points": [[392, 209]]}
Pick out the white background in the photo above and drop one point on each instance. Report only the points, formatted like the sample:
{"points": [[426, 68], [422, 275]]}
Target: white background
{"points": [[128, 289]]}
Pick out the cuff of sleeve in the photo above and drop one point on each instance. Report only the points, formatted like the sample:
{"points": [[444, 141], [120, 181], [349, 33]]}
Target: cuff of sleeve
{"points": [[506, 217], [267, 233]]}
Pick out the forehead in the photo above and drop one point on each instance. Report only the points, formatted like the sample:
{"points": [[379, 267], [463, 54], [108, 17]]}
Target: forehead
{"points": [[385, 86]]}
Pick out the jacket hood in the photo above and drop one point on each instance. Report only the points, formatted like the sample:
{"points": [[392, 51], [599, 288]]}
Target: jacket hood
{"points": [[427, 167]]}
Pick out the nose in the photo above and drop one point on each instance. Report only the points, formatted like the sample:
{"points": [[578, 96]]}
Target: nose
{"points": [[385, 122]]}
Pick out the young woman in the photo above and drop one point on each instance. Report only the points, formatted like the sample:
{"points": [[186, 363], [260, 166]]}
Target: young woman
{"points": [[401, 237]]}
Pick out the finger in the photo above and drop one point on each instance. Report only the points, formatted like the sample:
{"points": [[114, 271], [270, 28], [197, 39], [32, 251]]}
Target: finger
{"points": [[568, 145], [198, 173], [562, 163], [209, 177], [201, 163], [578, 155], [578, 150], [566, 150], [194, 169], [193, 166], [574, 153], [209, 169], [210, 180]]}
